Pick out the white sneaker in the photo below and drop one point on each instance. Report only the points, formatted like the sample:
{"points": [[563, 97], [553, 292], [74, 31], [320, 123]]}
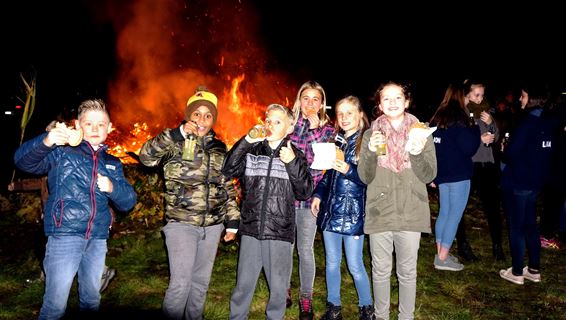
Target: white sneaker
{"points": [[534, 277], [508, 275]]}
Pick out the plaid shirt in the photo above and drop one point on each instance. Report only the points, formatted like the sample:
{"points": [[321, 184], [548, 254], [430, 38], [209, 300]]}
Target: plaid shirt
{"points": [[303, 138]]}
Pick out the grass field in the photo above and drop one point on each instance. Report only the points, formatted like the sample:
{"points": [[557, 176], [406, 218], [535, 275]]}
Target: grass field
{"points": [[138, 253]]}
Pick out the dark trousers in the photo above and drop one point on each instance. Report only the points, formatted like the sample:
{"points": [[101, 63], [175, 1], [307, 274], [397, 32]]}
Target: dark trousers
{"points": [[520, 206], [485, 183]]}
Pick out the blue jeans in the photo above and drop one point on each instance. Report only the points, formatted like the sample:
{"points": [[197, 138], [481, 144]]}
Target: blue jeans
{"points": [[520, 206], [353, 245], [453, 200], [65, 256]]}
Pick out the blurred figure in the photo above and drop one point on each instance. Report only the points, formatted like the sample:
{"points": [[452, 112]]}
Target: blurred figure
{"points": [[528, 161], [456, 140], [486, 173]]}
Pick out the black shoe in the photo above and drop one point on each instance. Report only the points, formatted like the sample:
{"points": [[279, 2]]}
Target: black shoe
{"points": [[332, 312], [465, 252], [367, 312], [498, 252], [305, 308], [289, 299]]}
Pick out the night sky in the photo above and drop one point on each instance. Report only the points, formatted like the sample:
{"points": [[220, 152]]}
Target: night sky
{"points": [[349, 47]]}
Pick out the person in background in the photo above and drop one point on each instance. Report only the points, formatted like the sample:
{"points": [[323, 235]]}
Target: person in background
{"points": [[272, 173], [528, 156], [83, 180], [338, 203], [313, 125], [554, 191], [199, 202], [456, 140], [486, 173], [397, 205]]}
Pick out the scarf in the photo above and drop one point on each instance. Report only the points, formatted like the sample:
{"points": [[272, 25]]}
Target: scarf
{"points": [[396, 159]]}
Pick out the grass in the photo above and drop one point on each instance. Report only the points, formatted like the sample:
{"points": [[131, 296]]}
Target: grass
{"points": [[138, 253]]}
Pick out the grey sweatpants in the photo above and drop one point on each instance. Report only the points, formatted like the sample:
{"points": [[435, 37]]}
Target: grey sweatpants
{"points": [[274, 257], [191, 251]]}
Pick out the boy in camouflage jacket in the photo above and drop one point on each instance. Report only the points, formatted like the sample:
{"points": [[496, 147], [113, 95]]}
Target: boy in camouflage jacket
{"points": [[199, 201]]}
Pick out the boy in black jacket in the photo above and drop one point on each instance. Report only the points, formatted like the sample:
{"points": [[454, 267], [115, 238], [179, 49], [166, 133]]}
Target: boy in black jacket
{"points": [[273, 173]]}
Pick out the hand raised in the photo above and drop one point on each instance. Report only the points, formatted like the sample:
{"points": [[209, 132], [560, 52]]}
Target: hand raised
{"points": [[286, 154]]}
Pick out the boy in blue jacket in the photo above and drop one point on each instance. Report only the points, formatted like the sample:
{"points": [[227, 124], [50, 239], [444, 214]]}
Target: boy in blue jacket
{"points": [[82, 179], [273, 174]]}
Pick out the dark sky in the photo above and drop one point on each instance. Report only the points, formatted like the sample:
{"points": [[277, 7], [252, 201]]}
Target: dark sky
{"points": [[349, 47]]}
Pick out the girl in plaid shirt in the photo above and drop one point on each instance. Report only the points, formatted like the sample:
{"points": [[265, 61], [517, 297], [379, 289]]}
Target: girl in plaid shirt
{"points": [[313, 125]]}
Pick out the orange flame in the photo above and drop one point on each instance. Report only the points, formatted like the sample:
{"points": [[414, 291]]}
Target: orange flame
{"points": [[166, 49]]}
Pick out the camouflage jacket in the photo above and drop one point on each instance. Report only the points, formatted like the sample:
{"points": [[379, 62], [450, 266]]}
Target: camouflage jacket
{"points": [[196, 191]]}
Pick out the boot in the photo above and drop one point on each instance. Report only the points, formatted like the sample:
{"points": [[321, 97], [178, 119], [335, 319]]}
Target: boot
{"points": [[498, 252], [305, 308], [465, 251], [366, 312], [332, 312]]}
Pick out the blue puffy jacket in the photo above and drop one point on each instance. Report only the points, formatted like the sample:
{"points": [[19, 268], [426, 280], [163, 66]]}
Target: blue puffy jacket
{"points": [[75, 205], [343, 196]]}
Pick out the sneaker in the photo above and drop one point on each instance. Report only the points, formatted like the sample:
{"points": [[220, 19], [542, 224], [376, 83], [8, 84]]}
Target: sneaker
{"points": [[289, 298], [450, 256], [367, 312], [448, 264], [508, 275], [332, 312], [305, 308], [107, 276], [551, 243], [534, 277]]}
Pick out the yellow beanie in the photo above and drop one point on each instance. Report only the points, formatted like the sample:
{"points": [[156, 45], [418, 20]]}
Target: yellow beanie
{"points": [[202, 98]]}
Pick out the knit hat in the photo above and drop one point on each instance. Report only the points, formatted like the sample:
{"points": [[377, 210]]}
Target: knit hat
{"points": [[202, 98]]}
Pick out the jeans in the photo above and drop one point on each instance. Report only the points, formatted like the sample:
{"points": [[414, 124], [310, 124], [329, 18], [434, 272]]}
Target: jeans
{"points": [[522, 218], [192, 251], [453, 200], [353, 245], [66, 256], [306, 231]]}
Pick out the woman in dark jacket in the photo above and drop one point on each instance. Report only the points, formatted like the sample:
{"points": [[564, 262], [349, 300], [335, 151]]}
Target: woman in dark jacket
{"points": [[528, 161], [338, 203]]}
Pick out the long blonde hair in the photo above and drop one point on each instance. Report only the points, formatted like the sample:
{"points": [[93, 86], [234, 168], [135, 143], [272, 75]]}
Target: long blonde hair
{"points": [[364, 122], [324, 118]]}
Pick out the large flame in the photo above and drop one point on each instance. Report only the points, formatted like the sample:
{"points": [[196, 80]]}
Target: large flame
{"points": [[165, 49]]}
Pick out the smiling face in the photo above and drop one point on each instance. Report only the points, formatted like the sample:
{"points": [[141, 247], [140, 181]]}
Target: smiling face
{"points": [[348, 117], [95, 125], [203, 118], [392, 101], [311, 101], [476, 93]]}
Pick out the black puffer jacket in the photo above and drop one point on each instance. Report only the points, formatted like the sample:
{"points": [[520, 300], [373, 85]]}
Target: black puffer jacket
{"points": [[269, 188], [343, 196]]}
